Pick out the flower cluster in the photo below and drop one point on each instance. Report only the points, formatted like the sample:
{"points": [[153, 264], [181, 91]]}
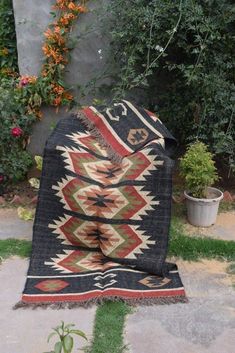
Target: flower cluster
{"points": [[56, 49], [22, 96], [27, 90], [25, 80], [60, 93]]}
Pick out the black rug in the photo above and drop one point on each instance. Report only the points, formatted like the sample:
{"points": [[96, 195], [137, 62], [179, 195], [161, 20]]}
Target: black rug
{"points": [[103, 215]]}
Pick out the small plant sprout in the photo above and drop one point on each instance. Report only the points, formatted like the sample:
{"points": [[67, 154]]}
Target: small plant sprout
{"points": [[65, 342]]}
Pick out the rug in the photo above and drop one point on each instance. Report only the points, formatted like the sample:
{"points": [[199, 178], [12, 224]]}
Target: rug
{"points": [[102, 220]]}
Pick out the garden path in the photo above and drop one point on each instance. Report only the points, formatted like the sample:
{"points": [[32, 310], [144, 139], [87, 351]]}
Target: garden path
{"points": [[206, 324], [26, 330]]}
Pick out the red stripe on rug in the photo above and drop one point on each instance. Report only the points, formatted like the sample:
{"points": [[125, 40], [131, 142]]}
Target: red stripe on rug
{"points": [[97, 294], [105, 132]]}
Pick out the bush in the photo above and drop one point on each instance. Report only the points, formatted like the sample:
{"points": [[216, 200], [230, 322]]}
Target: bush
{"points": [[15, 127], [180, 56], [8, 50], [198, 169]]}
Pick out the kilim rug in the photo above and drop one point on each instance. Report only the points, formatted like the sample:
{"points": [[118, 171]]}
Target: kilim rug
{"points": [[102, 220]]}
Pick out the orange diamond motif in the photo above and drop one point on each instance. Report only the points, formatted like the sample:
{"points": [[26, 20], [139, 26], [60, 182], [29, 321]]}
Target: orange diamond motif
{"points": [[52, 285]]}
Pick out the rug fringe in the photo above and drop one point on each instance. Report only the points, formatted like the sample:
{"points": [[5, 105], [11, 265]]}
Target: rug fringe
{"points": [[112, 154], [99, 301]]}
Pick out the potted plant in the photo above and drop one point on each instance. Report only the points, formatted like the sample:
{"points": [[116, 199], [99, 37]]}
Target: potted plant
{"points": [[199, 171]]}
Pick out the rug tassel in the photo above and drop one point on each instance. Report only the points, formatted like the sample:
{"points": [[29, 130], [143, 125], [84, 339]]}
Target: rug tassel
{"points": [[99, 301], [112, 154]]}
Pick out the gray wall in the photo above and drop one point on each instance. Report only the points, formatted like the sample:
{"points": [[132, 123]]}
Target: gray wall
{"points": [[88, 59]]}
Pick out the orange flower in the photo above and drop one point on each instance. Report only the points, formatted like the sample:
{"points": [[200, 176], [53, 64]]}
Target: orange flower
{"points": [[46, 50], [72, 6], [58, 89], [48, 33], [61, 4], [66, 19], [53, 54], [68, 96], [39, 114], [4, 52], [57, 101], [76, 8], [82, 9], [54, 37], [57, 29]]}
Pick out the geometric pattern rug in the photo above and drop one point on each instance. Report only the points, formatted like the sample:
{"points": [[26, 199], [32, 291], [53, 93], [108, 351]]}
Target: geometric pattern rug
{"points": [[101, 228]]}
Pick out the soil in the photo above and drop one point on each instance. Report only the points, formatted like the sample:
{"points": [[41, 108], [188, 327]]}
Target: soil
{"points": [[209, 195], [22, 189]]}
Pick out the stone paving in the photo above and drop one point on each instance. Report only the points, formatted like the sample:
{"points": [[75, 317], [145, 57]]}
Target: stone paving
{"points": [[26, 330], [204, 325], [13, 227]]}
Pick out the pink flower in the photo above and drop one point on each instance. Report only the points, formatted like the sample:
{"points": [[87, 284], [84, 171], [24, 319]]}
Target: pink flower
{"points": [[16, 131], [24, 82], [1, 178]]}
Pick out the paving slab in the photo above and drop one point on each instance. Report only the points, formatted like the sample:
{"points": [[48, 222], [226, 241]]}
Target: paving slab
{"points": [[26, 330], [11, 226], [206, 324]]}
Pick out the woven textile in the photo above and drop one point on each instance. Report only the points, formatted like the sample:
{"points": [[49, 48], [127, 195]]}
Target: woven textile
{"points": [[101, 227]]}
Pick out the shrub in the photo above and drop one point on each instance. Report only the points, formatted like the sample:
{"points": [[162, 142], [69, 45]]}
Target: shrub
{"points": [[198, 169], [180, 56], [15, 127], [8, 50]]}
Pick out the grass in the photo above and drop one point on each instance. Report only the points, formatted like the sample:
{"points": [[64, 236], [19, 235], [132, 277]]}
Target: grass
{"points": [[231, 269], [11, 247], [226, 206], [190, 248], [108, 328], [194, 248]]}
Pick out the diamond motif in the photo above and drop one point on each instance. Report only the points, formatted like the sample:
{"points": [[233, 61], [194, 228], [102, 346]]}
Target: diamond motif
{"points": [[76, 261], [155, 281], [115, 203], [137, 136], [116, 240], [138, 165], [51, 285]]}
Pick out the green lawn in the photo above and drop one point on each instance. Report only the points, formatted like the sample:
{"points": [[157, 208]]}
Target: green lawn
{"points": [[108, 328], [11, 247], [194, 248]]}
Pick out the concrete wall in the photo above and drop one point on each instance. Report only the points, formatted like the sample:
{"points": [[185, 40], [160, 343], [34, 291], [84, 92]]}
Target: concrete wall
{"points": [[88, 59]]}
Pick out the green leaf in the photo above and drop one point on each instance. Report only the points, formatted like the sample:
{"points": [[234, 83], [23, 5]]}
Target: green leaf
{"points": [[49, 337], [69, 325], [25, 214], [34, 182], [79, 333], [38, 160], [58, 347], [68, 343]]}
